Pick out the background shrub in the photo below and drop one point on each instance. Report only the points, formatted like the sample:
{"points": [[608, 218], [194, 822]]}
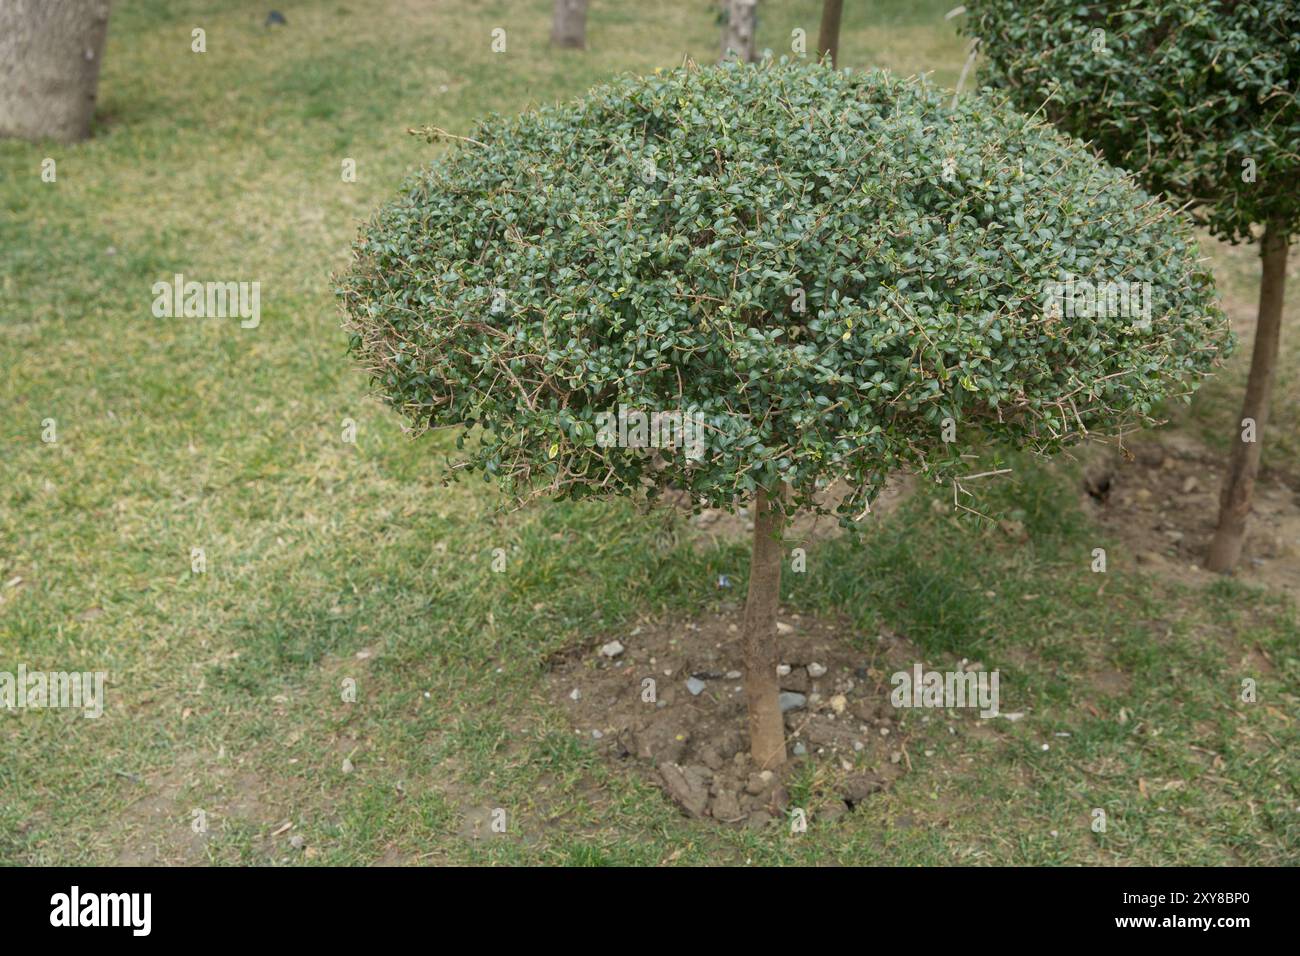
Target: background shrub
{"points": [[1180, 93]]}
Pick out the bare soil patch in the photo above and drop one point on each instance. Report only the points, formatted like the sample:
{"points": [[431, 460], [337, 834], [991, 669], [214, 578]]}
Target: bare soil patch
{"points": [[1161, 500], [671, 704]]}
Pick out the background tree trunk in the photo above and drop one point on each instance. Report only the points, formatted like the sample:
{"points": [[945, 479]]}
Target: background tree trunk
{"points": [[766, 725], [1239, 484], [49, 66], [740, 22], [828, 38], [569, 26]]}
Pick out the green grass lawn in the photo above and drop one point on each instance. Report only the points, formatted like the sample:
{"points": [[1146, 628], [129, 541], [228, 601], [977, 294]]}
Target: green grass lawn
{"points": [[224, 692]]}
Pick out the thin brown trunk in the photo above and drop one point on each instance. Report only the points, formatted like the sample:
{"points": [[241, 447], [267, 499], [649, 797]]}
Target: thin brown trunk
{"points": [[739, 30], [49, 66], [1239, 484], [569, 25], [766, 726], [828, 38]]}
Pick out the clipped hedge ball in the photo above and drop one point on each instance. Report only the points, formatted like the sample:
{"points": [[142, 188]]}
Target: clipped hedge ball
{"points": [[815, 268]]}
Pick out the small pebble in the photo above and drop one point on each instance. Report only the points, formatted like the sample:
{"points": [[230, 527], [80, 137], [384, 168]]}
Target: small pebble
{"points": [[789, 700]]}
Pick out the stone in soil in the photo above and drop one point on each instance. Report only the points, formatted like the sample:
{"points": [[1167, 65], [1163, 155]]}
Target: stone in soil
{"points": [[726, 807], [792, 701], [687, 787]]}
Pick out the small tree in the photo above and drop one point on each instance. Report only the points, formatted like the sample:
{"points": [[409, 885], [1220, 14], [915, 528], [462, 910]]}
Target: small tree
{"points": [[824, 271], [1199, 101], [828, 35], [569, 24], [50, 52]]}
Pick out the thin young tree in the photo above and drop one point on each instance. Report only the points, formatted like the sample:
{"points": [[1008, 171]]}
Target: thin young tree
{"points": [[819, 271], [828, 36], [569, 24], [50, 51], [1199, 101]]}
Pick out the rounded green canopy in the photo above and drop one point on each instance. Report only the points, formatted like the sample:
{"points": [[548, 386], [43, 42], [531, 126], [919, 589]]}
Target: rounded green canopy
{"points": [[812, 274]]}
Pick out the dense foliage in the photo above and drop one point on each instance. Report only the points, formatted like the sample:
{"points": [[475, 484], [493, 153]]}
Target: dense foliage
{"points": [[822, 266], [1198, 99]]}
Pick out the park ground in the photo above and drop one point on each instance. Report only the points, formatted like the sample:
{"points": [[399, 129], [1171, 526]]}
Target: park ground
{"points": [[329, 561]]}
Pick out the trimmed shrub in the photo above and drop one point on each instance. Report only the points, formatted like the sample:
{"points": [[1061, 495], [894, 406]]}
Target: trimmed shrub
{"points": [[823, 273], [1199, 100]]}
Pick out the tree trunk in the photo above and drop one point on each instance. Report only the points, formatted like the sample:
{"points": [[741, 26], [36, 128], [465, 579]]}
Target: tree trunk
{"points": [[569, 26], [766, 725], [49, 66], [1239, 484], [828, 38], [738, 30]]}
